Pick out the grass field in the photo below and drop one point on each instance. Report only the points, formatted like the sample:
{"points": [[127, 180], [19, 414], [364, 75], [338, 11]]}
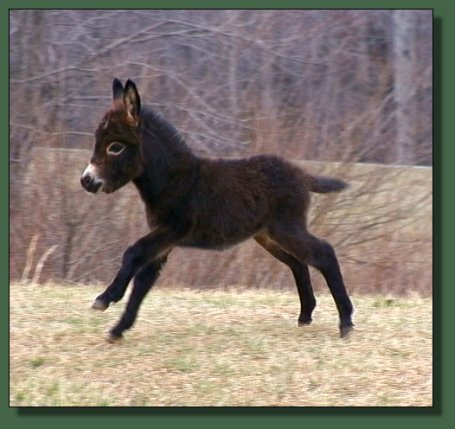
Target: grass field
{"points": [[220, 348]]}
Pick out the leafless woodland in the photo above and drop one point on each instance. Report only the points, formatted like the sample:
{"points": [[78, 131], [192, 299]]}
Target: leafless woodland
{"points": [[345, 92]]}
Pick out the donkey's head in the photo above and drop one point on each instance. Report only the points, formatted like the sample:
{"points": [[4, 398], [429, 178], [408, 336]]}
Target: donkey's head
{"points": [[116, 157]]}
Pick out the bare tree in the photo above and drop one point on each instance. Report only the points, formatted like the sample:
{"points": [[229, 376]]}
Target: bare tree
{"points": [[332, 86]]}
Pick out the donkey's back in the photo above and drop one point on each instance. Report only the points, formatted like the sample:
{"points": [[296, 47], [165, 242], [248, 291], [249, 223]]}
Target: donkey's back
{"points": [[232, 200]]}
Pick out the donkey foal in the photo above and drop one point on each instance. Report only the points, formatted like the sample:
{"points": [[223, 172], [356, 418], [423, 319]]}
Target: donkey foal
{"points": [[192, 201]]}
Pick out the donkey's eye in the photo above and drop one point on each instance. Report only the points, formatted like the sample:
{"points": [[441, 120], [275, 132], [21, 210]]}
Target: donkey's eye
{"points": [[115, 148]]}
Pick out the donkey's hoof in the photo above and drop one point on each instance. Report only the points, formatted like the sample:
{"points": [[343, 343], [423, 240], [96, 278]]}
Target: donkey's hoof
{"points": [[305, 322], [99, 305], [346, 330], [112, 338]]}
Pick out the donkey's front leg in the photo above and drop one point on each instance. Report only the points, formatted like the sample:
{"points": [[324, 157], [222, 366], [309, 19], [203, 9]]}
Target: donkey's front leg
{"points": [[116, 290], [143, 282], [144, 250]]}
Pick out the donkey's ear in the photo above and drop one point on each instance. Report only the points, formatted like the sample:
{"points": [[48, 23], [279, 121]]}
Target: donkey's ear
{"points": [[132, 102], [117, 89]]}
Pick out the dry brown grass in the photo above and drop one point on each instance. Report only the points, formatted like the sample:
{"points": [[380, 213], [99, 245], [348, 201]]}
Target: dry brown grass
{"points": [[217, 348]]}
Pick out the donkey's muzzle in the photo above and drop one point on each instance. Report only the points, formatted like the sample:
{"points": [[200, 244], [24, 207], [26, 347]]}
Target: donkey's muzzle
{"points": [[90, 183]]}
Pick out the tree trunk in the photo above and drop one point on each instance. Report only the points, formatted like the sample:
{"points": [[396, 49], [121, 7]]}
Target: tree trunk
{"points": [[404, 59]]}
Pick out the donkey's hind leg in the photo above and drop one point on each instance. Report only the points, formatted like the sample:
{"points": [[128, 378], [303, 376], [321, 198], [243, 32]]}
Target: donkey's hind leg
{"points": [[301, 276], [294, 238]]}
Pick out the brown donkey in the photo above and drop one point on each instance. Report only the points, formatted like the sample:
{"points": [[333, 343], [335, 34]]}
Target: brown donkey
{"points": [[206, 203]]}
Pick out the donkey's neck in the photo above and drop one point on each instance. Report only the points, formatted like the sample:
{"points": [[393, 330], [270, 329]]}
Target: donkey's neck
{"points": [[166, 158]]}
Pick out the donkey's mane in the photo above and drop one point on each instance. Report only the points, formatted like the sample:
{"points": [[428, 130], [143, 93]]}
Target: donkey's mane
{"points": [[155, 123]]}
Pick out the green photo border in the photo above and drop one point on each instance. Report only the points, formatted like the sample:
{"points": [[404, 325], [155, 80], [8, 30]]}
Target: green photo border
{"points": [[439, 415]]}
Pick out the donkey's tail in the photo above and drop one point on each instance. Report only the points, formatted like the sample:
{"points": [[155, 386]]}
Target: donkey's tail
{"points": [[324, 184]]}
